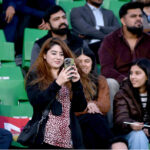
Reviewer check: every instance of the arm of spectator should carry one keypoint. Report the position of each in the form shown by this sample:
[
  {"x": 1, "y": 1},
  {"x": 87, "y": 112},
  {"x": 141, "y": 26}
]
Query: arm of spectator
[
  {"x": 121, "y": 112},
  {"x": 103, "y": 100},
  {"x": 10, "y": 12},
  {"x": 35, "y": 53},
  {"x": 44, "y": 26},
  {"x": 107, "y": 61},
  {"x": 40, "y": 98},
  {"x": 81, "y": 27},
  {"x": 114, "y": 24}
]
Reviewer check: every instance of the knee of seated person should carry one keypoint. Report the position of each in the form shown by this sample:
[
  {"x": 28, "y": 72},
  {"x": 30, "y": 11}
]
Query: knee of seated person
[
  {"x": 112, "y": 83},
  {"x": 137, "y": 134}
]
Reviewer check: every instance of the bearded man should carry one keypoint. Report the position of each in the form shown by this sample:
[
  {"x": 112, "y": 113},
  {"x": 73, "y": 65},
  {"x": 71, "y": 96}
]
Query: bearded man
[
  {"x": 55, "y": 20},
  {"x": 122, "y": 47}
]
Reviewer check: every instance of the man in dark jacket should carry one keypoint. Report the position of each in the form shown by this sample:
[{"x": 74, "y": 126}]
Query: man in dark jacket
[{"x": 55, "y": 19}]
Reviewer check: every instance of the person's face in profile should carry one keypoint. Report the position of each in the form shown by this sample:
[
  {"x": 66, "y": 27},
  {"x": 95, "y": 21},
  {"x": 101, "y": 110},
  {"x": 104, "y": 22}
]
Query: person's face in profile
[
  {"x": 138, "y": 78},
  {"x": 54, "y": 57},
  {"x": 85, "y": 63},
  {"x": 58, "y": 21}
]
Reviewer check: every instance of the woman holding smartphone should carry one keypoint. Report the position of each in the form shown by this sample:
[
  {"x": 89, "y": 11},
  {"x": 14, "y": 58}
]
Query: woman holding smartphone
[
  {"x": 132, "y": 105},
  {"x": 47, "y": 79}
]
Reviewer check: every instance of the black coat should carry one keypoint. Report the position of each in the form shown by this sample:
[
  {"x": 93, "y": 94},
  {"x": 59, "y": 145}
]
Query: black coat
[{"x": 40, "y": 99}]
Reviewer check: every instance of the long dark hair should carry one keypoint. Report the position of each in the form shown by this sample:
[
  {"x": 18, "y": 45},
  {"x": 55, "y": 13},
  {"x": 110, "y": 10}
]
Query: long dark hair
[
  {"x": 93, "y": 75},
  {"x": 42, "y": 69},
  {"x": 144, "y": 64}
]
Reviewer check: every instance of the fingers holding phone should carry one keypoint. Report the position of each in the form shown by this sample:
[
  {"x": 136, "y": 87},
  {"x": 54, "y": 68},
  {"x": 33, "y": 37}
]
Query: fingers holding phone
[
  {"x": 75, "y": 74},
  {"x": 71, "y": 69},
  {"x": 63, "y": 77}
]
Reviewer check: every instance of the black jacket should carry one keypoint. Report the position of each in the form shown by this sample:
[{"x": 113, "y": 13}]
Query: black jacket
[{"x": 40, "y": 99}]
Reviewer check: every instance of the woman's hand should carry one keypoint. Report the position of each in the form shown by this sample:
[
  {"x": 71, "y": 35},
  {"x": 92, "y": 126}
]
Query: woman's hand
[
  {"x": 75, "y": 74},
  {"x": 64, "y": 76},
  {"x": 92, "y": 108},
  {"x": 137, "y": 126}
]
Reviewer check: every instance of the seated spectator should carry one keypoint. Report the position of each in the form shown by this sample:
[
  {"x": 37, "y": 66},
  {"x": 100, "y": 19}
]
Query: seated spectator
[
  {"x": 95, "y": 129},
  {"x": 18, "y": 14},
  {"x": 11, "y": 10},
  {"x": 56, "y": 20},
  {"x": 146, "y": 14},
  {"x": 5, "y": 139},
  {"x": 93, "y": 23},
  {"x": 47, "y": 79},
  {"x": 132, "y": 105},
  {"x": 123, "y": 46}
]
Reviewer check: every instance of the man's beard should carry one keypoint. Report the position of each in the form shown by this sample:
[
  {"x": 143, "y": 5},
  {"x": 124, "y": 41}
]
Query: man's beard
[
  {"x": 96, "y": 4},
  {"x": 60, "y": 31},
  {"x": 135, "y": 30}
]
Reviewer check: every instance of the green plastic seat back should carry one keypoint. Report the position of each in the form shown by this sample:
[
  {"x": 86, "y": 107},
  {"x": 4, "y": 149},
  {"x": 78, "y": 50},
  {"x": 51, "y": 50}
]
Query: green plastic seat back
[
  {"x": 2, "y": 35},
  {"x": 67, "y": 5},
  {"x": 12, "y": 88},
  {"x": 22, "y": 110},
  {"x": 115, "y": 7},
  {"x": 7, "y": 54},
  {"x": 30, "y": 36}
]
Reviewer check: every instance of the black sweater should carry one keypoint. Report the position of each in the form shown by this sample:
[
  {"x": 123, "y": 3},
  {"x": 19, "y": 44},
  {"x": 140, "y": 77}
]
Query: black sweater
[{"x": 40, "y": 99}]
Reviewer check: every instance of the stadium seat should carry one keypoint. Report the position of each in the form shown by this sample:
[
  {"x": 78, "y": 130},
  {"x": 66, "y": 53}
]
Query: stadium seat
[
  {"x": 98, "y": 69},
  {"x": 2, "y": 35},
  {"x": 115, "y": 5},
  {"x": 125, "y": 0},
  {"x": 30, "y": 36},
  {"x": 68, "y": 5},
  {"x": 12, "y": 90},
  {"x": 22, "y": 110},
  {"x": 106, "y": 4},
  {"x": 7, "y": 54}
]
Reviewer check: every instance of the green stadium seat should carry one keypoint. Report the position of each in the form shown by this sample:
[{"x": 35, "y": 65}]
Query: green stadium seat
[
  {"x": 125, "y": 0},
  {"x": 12, "y": 90},
  {"x": 67, "y": 5},
  {"x": 30, "y": 36},
  {"x": 2, "y": 35},
  {"x": 106, "y": 4},
  {"x": 7, "y": 54},
  {"x": 24, "y": 109},
  {"x": 98, "y": 69},
  {"x": 115, "y": 7}
]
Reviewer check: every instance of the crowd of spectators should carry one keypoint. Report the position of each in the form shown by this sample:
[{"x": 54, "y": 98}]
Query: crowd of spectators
[{"x": 91, "y": 111}]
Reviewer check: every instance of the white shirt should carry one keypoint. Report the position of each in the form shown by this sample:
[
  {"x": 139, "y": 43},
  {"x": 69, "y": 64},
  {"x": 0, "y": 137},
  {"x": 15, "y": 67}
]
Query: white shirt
[{"x": 98, "y": 18}]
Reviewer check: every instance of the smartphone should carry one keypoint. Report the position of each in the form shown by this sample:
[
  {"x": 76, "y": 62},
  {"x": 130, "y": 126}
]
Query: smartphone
[{"x": 68, "y": 62}]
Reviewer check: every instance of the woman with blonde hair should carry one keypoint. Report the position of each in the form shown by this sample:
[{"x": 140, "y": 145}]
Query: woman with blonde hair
[{"x": 47, "y": 79}]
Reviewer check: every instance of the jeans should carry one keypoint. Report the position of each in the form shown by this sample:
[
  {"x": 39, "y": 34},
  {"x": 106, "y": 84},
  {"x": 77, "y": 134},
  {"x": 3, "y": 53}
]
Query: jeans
[
  {"x": 5, "y": 139},
  {"x": 137, "y": 140}
]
